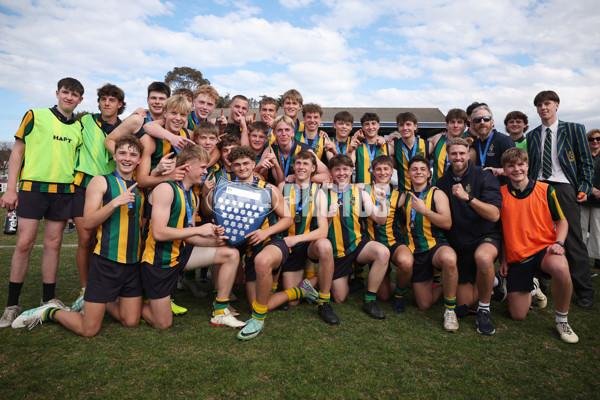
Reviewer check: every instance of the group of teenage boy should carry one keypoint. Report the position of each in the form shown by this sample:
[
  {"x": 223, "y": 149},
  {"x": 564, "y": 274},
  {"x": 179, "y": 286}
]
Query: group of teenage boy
[{"x": 141, "y": 192}]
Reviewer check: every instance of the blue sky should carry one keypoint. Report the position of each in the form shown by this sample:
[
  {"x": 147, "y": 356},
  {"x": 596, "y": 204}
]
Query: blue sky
[{"x": 379, "y": 53}]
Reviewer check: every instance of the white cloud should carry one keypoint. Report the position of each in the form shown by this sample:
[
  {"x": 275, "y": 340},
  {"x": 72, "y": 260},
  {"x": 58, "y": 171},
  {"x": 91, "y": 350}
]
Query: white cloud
[
  {"x": 293, "y": 4},
  {"x": 430, "y": 54}
]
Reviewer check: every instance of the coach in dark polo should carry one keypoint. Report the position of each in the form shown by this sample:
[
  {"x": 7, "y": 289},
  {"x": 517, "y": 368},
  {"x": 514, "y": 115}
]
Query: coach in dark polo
[{"x": 560, "y": 155}]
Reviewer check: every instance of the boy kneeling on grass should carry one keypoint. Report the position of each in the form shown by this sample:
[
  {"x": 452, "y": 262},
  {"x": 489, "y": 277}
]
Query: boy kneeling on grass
[
  {"x": 532, "y": 246},
  {"x": 112, "y": 207}
]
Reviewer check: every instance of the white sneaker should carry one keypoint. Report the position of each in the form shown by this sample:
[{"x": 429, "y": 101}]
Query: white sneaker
[
  {"x": 226, "y": 319},
  {"x": 55, "y": 303},
  {"x": 78, "y": 304},
  {"x": 31, "y": 318},
  {"x": 192, "y": 286},
  {"x": 232, "y": 310},
  {"x": 9, "y": 315},
  {"x": 566, "y": 333},
  {"x": 450, "y": 321},
  {"x": 539, "y": 300}
]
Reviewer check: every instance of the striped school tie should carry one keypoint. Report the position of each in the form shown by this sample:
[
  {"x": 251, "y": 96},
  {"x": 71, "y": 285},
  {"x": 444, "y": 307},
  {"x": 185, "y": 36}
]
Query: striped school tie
[{"x": 547, "y": 164}]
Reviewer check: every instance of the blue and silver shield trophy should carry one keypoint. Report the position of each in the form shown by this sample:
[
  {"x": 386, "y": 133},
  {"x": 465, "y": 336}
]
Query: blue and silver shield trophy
[{"x": 240, "y": 208}]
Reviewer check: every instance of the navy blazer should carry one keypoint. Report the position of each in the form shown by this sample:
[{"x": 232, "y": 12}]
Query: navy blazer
[{"x": 573, "y": 153}]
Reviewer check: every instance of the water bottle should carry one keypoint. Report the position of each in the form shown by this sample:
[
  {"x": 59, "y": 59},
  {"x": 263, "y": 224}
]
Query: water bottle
[{"x": 10, "y": 224}]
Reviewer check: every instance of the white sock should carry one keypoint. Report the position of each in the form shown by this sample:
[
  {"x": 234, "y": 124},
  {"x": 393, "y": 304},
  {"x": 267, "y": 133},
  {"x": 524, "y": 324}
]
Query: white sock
[
  {"x": 560, "y": 317},
  {"x": 484, "y": 306}
]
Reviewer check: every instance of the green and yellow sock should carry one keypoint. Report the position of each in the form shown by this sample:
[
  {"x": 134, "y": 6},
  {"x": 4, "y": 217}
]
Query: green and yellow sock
[
  {"x": 370, "y": 296},
  {"x": 259, "y": 311},
  {"x": 220, "y": 306},
  {"x": 323, "y": 298},
  {"x": 295, "y": 293},
  {"x": 309, "y": 273},
  {"x": 274, "y": 287},
  {"x": 399, "y": 293},
  {"x": 49, "y": 313},
  {"x": 359, "y": 274},
  {"x": 450, "y": 303},
  {"x": 437, "y": 279}
]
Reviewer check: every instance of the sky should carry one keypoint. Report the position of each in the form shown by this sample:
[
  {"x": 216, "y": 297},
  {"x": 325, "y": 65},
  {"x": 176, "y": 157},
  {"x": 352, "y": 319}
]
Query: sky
[{"x": 351, "y": 53}]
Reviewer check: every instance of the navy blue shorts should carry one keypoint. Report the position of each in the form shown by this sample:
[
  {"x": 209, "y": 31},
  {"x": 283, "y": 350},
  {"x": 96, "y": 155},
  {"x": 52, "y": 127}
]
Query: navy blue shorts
[
  {"x": 78, "y": 202},
  {"x": 160, "y": 282},
  {"x": 297, "y": 259},
  {"x": 343, "y": 266},
  {"x": 107, "y": 280},
  {"x": 38, "y": 205},
  {"x": 250, "y": 272},
  {"x": 520, "y": 275},
  {"x": 467, "y": 269},
  {"x": 423, "y": 264}
]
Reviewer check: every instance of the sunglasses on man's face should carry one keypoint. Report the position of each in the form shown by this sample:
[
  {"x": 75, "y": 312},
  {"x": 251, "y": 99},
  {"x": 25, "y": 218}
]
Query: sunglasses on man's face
[
  {"x": 594, "y": 139},
  {"x": 479, "y": 119}
]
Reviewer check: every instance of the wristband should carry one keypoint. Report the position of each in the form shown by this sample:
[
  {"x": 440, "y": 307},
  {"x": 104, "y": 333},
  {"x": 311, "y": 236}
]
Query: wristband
[
  {"x": 470, "y": 198},
  {"x": 561, "y": 244}
]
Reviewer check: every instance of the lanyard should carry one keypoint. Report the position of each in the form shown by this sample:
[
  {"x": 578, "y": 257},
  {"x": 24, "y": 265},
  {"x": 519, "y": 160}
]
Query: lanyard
[
  {"x": 341, "y": 194},
  {"x": 414, "y": 149},
  {"x": 149, "y": 116},
  {"x": 315, "y": 140},
  {"x": 123, "y": 187},
  {"x": 286, "y": 162},
  {"x": 372, "y": 151},
  {"x": 299, "y": 207},
  {"x": 483, "y": 156},
  {"x": 413, "y": 213},
  {"x": 196, "y": 120},
  {"x": 338, "y": 147},
  {"x": 188, "y": 205}
]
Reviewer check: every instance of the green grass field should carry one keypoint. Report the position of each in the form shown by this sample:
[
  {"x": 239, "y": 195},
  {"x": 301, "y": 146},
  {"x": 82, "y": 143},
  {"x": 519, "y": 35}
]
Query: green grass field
[{"x": 297, "y": 356}]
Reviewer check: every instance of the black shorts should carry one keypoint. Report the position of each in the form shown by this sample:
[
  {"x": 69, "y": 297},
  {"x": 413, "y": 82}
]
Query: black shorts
[
  {"x": 38, "y": 205},
  {"x": 395, "y": 247},
  {"x": 465, "y": 258},
  {"x": 423, "y": 264},
  {"x": 107, "y": 280},
  {"x": 78, "y": 202},
  {"x": 343, "y": 266},
  {"x": 520, "y": 275},
  {"x": 297, "y": 258},
  {"x": 160, "y": 282},
  {"x": 250, "y": 272}
]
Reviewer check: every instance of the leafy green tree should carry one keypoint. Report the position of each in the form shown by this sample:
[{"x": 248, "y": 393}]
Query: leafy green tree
[{"x": 185, "y": 77}]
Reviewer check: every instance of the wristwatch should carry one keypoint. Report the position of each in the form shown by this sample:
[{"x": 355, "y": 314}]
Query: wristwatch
[
  {"x": 560, "y": 243},
  {"x": 470, "y": 198}
]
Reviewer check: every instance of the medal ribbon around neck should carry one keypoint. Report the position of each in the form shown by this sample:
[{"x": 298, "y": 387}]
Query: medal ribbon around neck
[
  {"x": 188, "y": 206},
  {"x": 123, "y": 188},
  {"x": 414, "y": 149},
  {"x": 483, "y": 156},
  {"x": 315, "y": 141},
  {"x": 300, "y": 207},
  {"x": 287, "y": 162},
  {"x": 338, "y": 147},
  {"x": 413, "y": 213}
]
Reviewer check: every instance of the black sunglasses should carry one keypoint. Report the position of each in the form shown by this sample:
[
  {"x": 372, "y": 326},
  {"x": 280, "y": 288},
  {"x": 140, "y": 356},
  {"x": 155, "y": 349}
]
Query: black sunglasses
[
  {"x": 594, "y": 139},
  {"x": 484, "y": 119}
]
